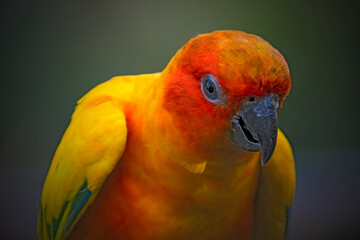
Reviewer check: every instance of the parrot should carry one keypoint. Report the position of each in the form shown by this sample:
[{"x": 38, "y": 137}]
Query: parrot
[{"x": 192, "y": 152}]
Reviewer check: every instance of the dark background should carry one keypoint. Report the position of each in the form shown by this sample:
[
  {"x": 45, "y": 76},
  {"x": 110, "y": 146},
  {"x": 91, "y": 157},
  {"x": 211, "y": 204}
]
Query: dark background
[{"x": 53, "y": 52}]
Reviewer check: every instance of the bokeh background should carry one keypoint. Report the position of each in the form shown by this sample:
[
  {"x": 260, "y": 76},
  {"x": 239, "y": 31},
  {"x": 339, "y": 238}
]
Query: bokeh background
[{"x": 53, "y": 52}]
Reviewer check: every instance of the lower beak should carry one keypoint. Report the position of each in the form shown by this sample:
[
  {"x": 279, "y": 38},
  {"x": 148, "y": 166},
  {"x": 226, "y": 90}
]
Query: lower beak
[{"x": 254, "y": 127}]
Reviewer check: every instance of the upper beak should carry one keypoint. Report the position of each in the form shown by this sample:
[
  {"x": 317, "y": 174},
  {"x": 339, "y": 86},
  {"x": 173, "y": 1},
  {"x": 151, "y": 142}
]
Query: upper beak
[{"x": 254, "y": 127}]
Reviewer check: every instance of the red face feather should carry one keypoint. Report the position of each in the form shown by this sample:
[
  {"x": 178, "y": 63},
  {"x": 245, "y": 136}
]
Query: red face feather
[{"x": 242, "y": 63}]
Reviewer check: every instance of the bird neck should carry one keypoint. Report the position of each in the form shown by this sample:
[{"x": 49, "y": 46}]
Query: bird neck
[{"x": 218, "y": 158}]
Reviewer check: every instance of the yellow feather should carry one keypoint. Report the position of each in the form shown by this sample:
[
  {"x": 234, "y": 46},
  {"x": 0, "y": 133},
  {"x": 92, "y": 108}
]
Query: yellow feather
[
  {"x": 88, "y": 152},
  {"x": 275, "y": 192}
]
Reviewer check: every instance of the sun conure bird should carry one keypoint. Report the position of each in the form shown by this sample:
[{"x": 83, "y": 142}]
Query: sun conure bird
[{"x": 192, "y": 152}]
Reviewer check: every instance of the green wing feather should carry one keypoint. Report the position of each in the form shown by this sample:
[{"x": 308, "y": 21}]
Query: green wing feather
[{"x": 87, "y": 153}]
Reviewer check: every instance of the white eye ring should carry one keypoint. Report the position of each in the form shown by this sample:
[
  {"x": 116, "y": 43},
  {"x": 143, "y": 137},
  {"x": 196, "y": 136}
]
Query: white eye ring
[{"x": 211, "y": 90}]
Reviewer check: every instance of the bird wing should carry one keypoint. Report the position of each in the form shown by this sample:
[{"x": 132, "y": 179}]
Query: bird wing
[
  {"x": 275, "y": 192},
  {"x": 89, "y": 150}
]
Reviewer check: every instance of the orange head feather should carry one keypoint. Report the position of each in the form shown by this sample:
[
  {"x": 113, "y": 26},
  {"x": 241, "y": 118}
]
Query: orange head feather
[{"x": 243, "y": 64}]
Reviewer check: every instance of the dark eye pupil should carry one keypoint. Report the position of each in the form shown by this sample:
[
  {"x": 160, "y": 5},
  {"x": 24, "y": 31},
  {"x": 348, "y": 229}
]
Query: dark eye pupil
[{"x": 210, "y": 86}]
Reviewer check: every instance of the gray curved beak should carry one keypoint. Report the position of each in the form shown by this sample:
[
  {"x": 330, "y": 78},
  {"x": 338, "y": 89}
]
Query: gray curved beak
[{"x": 254, "y": 127}]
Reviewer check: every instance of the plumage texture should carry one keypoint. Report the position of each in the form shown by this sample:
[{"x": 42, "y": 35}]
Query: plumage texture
[{"x": 148, "y": 157}]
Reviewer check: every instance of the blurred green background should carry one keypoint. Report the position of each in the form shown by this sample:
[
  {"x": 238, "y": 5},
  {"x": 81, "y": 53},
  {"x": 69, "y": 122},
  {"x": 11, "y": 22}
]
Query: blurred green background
[{"x": 53, "y": 52}]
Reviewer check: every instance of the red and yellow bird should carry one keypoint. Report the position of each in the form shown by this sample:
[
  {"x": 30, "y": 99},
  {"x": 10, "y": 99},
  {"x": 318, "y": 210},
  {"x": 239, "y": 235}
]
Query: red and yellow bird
[{"x": 193, "y": 152}]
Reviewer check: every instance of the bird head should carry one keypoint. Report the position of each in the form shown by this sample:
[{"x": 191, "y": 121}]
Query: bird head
[{"x": 227, "y": 86}]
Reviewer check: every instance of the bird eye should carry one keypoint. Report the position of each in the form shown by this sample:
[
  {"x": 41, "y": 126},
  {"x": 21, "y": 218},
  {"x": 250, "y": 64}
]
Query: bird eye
[{"x": 210, "y": 88}]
